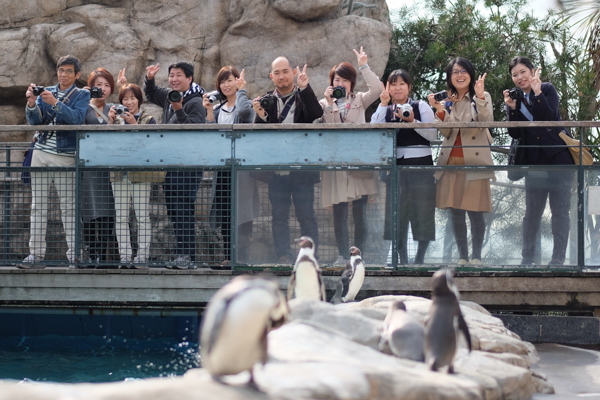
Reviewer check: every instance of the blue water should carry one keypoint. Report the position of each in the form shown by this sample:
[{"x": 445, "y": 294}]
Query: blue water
[{"x": 73, "y": 359}]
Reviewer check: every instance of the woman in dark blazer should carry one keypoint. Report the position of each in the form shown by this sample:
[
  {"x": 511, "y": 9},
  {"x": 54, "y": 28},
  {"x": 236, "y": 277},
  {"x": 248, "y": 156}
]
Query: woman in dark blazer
[{"x": 540, "y": 103}]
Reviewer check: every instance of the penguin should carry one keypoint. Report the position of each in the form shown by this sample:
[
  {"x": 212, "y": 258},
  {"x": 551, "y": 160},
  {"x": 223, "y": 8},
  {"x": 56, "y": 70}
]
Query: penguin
[
  {"x": 403, "y": 332},
  {"x": 235, "y": 324},
  {"x": 351, "y": 280},
  {"x": 306, "y": 281},
  {"x": 443, "y": 323}
]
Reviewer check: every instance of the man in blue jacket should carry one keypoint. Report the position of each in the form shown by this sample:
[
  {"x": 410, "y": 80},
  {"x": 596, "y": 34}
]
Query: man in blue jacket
[{"x": 63, "y": 104}]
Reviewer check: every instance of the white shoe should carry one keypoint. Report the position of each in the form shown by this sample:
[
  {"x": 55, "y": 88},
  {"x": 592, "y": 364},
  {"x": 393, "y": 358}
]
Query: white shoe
[
  {"x": 475, "y": 261},
  {"x": 72, "y": 262},
  {"x": 139, "y": 262},
  {"x": 182, "y": 262},
  {"x": 124, "y": 262},
  {"x": 462, "y": 261},
  {"x": 29, "y": 261},
  {"x": 340, "y": 261}
]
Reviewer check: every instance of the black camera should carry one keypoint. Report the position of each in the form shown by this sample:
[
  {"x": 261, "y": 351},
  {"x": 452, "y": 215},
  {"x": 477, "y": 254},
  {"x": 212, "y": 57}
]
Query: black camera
[
  {"x": 404, "y": 109},
  {"x": 338, "y": 92},
  {"x": 214, "y": 96},
  {"x": 175, "y": 96},
  {"x": 516, "y": 93},
  {"x": 95, "y": 93},
  {"x": 267, "y": 101},
  {"x": 37, "y": 90},
  {"x": 439, "y": 96},
  {"x": 121, "y": 109}
]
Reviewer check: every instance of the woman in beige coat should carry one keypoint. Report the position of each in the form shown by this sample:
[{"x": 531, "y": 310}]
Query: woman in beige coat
[
  {"x": 462, "y": 191},
  {"x": 341, "y": 187}
]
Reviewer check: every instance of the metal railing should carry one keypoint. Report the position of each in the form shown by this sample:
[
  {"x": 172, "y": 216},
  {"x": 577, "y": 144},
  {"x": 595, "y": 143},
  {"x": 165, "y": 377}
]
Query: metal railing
[{"x": 217, "y": 167}]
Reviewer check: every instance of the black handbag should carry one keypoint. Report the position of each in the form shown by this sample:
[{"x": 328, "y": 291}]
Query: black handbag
[
  {"x": 25, "y": 175},
  {"x": 516, "y": 156}
]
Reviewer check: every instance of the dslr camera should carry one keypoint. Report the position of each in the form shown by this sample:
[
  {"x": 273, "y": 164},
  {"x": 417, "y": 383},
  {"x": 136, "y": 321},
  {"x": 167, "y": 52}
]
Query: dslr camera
[
  {"x": 37, "y": 90},
  {"x": 95, "y": 93},
  {"x": 214, "y": 96},
  {"x": 267, "y": 101},
  {"x": 338, "y": 92},
  {"x": 175, "y": 96},
  {"x": 120, "y": 109},
  {"x": 404, "y": 109},
  {"x": 516, "y": 93},
  {"x": 439, "y": 96}
]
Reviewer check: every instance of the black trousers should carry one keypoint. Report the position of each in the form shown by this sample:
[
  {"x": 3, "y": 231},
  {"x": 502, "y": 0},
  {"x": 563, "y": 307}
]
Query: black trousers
[
  {"x": 539, "y": 187},
  {"x": 340, "y": 225},
  {"x": 180, "y": 190}
]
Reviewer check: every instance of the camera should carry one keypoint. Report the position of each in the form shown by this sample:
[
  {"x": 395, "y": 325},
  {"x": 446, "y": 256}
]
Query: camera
[
  {"x": 516, "y": 93},
  {"x": 267, "y": 101},
  {"x": 120, "y": 109},
  {"x": 338, "y": 92},
  {"x": 95, "y": 93},
  {"x": 175, "y": 96},
  {"x": 404, "y": 109},
  {"x": 439, "y": 96},
  {"x": 37, "y": 90},
  {"x": 214, "y": 96}
]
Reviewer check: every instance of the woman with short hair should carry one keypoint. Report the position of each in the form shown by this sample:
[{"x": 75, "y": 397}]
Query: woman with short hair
[
  {"x": 133, "y": 186},
  {"x": 338, "y": 188}
]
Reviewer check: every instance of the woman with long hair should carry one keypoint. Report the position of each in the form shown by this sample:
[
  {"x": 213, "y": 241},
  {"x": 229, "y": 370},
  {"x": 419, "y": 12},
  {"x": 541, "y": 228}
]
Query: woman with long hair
[{"x": 465, "y": 192}]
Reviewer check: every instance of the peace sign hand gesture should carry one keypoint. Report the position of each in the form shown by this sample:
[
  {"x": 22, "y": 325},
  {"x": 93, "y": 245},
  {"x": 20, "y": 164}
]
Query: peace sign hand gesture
[
  {"x": 302, "y": 78},
  {"x": 362, "y": 57},
  {"x": 240, "y": 83},
  {"x": 385, "y": 95},
  {"x": 152, "y": 70},
  {"x": 121, "y": 80},
  {"x": 536, "y": 83},
  {"x": 480, "y": 87}
]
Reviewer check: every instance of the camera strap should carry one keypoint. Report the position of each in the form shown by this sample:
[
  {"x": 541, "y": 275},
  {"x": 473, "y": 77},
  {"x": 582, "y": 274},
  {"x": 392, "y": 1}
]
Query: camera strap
[
  {"x": 100, "y": 112},
  {"x": 287, "y": 108}
]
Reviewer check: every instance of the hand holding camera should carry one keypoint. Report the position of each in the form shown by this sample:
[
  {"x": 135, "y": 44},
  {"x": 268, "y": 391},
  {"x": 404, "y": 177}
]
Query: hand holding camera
[
  {"x": 256, "y": 105},
  {"x": 31, "y": 94},
  {"x": 176, "y": 99},
  {"x": 436, "y": 100},
  {"x": 405, "y": 112},
  {"x": 329, "y": 95}
]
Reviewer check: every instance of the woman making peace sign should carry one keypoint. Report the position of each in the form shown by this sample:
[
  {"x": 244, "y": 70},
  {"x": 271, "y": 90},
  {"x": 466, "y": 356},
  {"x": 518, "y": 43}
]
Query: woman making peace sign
[{"x": 462, "y": 191}]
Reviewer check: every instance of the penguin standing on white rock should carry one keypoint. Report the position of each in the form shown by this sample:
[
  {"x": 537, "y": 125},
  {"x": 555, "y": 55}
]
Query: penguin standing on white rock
[
  {"x": 235, "y": 324},
  {"x": 403, "y": 332},
  {"x": 351, "y": 280},
  {"x": 306, "y": 281},
  {"x": 443, "y": 323}
]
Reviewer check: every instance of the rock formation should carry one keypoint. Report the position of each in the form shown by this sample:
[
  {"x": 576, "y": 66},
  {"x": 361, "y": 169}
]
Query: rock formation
[
  {"x": 248, "y": 34},
  {"x": 330, "y": 352}
]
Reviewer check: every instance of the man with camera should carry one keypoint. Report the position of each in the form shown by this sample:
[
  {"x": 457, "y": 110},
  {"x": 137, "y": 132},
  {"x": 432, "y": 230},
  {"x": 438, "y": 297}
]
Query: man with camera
[
  {"x": 62, "y": 104},
  {"x": 290, "y": 104},
  {"x": 182, "y": 104}
]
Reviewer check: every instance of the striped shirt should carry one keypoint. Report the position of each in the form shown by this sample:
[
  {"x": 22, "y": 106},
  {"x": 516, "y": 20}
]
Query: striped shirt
[{"x": 50, "y": 145}]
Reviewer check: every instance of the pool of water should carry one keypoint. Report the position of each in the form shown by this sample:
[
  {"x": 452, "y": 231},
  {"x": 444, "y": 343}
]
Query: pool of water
[{"x": 73, "y": 359}]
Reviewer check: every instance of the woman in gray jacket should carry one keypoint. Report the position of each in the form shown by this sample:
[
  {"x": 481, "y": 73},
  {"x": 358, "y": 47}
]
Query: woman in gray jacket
[{"x": 234, "y": 107}]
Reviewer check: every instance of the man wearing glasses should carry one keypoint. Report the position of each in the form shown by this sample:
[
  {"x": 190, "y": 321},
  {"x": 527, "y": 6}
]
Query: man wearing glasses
[{"x": 63, "y": 104}]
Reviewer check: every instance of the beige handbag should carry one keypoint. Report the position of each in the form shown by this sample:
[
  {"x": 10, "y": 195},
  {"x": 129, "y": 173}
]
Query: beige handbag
[{"x": 587, "y": 158}]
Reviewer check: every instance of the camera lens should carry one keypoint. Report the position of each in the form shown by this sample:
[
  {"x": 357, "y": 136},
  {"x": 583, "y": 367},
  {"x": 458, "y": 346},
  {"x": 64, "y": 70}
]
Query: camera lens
[
  {"x": 338, "y": 92},
  {"x": 439, "y": 96},
  {"x": 174, "y": 96}
]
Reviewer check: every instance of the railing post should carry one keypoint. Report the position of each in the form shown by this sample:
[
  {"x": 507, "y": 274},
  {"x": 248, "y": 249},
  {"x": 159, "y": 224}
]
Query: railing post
[
  {"x": 7, "y": 207},
  {"x": 580, "y": 206},
  {"x": 233, "y": 231},
  {"x": 394, "y": 204}
]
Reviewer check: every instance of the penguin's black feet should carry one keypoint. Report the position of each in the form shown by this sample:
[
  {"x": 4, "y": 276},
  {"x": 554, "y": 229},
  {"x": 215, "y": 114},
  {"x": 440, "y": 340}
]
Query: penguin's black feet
[{"x": 451, "y": 369}]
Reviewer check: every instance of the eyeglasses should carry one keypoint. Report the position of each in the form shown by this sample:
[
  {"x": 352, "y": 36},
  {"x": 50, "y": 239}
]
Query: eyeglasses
[
  {"x": 65, "y": 71},
  {"x": 459, "y": 72}
]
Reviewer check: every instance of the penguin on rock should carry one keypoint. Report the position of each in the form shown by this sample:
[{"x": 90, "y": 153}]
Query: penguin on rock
[
  {"x": 235, "y": 324},
  {"x": 404, "y": 333},
  {"x": 352, "y": 278},
  {"x": 444, "y": 322},
  {"x": 306, "y": 281}
]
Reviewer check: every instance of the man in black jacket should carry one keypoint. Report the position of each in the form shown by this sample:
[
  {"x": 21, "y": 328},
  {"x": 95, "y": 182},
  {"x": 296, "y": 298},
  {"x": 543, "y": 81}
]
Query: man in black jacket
[
  {"x": 293, "y": 104},
  {"x": 180, "y": 187}
]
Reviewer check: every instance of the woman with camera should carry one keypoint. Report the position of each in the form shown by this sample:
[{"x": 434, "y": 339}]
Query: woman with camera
[
  {"x": 97, "y": 209},
  {"x": 532, "y": 100},
  {"x": 233, "y": 107},
  {"x": 416, "y": 189},
  {"x": 133, "y": 185},
  {"x": 465, "y": 191},
  {"x": 338, "y": 188}
]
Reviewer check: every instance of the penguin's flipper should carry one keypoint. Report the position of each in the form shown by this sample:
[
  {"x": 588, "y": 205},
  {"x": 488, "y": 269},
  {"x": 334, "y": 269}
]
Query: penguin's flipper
[
  {"x": 322, "y": 286},
  {"x": 216, "y": 328},
  {"x": 264, "y": 347},
  {"x": 345, "y": 285},
  {"x": 462, "y": 325},
  {"x": 383, "y": 340},
  {"x": 291, "y": 285},
  {"x": 337, "y": 297}
]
